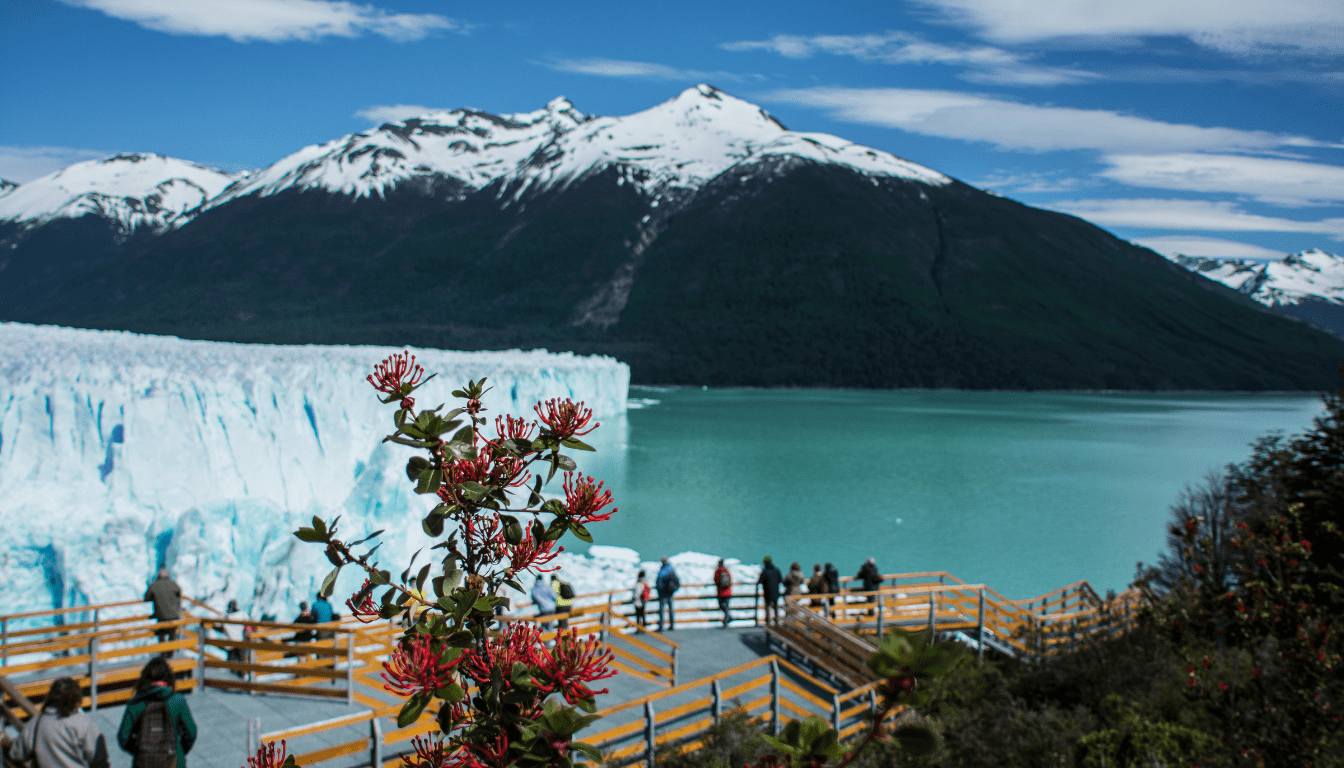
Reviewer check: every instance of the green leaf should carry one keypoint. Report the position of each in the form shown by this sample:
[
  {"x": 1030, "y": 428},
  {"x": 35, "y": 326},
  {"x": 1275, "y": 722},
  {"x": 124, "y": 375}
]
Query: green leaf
[
  {"x": 415, "y": 466},
  {"x": 916, "y": 739},
  {"x": 588, "y": 705},
  {"x": 513, "y": 530},
  {"x": 319, "y": 525},
  {"x": 557, "y": 529},
  {"x": 566, "y": 463},
  {"x": 587, "y": 750},
  {"x": 463, "y": 436},
  {"x": 380, "y": 578},
  {"x": 410, "y": 711},
  {"x": 554, "y": 506},
  {"x": 577, "y": 444},
  {"x": 420, "y": 578},
  {"x": 329, "y": 583},
  {"x": 432, "y": 525},
  {"x": 453, "y": 693},
  {"x": 581, "y": 532},
  {"x": 309, "y": 535},
  {"x": 429, "y": 482}
]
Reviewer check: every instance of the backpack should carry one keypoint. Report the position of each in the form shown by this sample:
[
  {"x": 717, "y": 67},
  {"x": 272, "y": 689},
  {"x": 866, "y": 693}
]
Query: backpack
[
  {"x": 156, "y": 742},
  {"x": 566, "y": 591},
  {"x": 645, "y": 594},
  {"x": 723, "y": 580}
]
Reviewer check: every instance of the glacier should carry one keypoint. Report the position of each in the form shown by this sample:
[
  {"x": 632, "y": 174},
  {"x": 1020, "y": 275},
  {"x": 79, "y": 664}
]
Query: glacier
[{"x": 122, "y": 452}]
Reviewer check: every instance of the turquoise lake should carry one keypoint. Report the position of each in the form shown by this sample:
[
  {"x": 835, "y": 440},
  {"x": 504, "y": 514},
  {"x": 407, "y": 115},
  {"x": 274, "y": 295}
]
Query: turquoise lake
[{"x": 1024, "y": 492}]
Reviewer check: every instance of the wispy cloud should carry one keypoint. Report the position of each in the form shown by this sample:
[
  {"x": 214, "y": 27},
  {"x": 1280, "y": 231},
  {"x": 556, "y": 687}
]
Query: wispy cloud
[
  {"x": 1236, "y": 26},
  {"x": 984, "y": 64},
  {"x": 22, "y": 164},
  {"x": 1197, "y": 215},
  {"x": 1031, "y": 183},
  {"x": 1208, "y": 247},
  {"x": 641, "y": 69},
  {"x": 1270, "y": 180},
  {"x": 392, "y": 113},
  {"x": 271, "y": 20},
  {"x": 1026, "y": 127}
]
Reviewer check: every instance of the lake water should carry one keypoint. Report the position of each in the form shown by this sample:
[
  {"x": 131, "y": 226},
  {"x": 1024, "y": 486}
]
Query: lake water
[{"x": 1025, "y": 492}]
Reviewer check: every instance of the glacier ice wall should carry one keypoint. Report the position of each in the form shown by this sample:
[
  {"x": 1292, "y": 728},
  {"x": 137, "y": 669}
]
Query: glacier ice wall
[{"x": 122, "y": 452}]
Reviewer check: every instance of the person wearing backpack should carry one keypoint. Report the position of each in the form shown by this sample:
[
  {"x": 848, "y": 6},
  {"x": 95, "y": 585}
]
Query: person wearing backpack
[
  {"x": 564, "y": 599},
  {"x": 723, "y": 585},
  {"x": 667, "y": 584},
  {"x": 639, "y": 597},
  {"x": 157, "y": 728},
  {"x": 61, "y": 736}
]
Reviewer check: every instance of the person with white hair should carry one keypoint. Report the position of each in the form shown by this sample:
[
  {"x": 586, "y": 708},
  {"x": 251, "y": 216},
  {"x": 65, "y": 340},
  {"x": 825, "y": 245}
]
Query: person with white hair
[{"x": 166, "y": 596}]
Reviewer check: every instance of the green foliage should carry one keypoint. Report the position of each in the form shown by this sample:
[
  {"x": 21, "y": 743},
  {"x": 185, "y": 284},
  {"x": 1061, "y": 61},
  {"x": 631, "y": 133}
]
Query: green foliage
[
  {"x": 807, "y": 742},
  {"x": 1136, "y": 742}
]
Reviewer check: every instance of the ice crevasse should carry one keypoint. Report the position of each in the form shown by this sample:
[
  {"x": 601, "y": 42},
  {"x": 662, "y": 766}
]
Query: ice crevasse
[{"x": 122, "y": 452}]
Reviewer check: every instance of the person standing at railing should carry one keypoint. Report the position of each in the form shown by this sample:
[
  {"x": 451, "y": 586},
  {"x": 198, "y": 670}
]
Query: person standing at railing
[
  {"x": 543, "y": 598},
  {"x": 157, "y": 727},
  {"x": 323, "y": 613},
  {"x": 832, "y": 579},
  {"x": 817, "y": 585},
  {"x": 872, "y": 580},
  {"x": 667, "y": 584},
  {"x": 167, "y": 599},
  {"x": 564, "y": 599},
  {"x": 61, "y": 736},
  {"x": 769, "y": 582},
  {"x": 235, "y": 632},
  {"x": 723, "y": 585},
  {"x": 794, "y": 580},
  {"x": 639, "y": 597}
]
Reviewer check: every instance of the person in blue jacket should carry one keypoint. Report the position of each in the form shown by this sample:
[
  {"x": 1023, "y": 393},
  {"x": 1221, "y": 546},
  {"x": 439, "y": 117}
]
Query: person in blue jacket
[
  {"x": 156, "y": 726},
  {"x": 667, "y": 585}
]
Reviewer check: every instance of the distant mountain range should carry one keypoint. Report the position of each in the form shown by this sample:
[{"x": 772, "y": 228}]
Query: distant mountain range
[
  {"x": 700, "y": 241},
  {"x": 1308, "y": 285}
]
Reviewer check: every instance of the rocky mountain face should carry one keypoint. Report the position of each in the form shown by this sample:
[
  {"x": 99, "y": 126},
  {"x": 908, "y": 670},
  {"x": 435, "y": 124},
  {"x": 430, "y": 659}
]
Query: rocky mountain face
[
  {"x": 699, "y": 241},
  {"x": 1308, "y": 286}
]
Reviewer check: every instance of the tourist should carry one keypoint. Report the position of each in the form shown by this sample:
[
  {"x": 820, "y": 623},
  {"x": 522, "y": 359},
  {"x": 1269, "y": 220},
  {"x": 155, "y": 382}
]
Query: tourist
[
  {"x": 156, "y": 726},
  {"x": 794, "y": 580},
  {"x": 832, "y": 579},
  {"x": 871, "y": 578},
  {"x": 544, "y": 599},
  {"x": 305, "y": 617},
  {"x": 564, "y": 599},
  {"x": 667, "y": 585},
  {"x": 61, "y": 736},
  {"x": 236, "y": 633},
  {"x": 817, "y": 585},
  {"x": 322, "y": 614},
  {"x": 167, "y": 599},
  {"x": 639, "y": 597},
  {"x": 723, "y": 585},
  {"x": 769, "y": 583}
]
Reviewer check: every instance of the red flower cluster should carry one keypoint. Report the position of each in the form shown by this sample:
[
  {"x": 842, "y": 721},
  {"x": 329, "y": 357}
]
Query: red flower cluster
[
  {"x": 584, "y": 499},
  {"x": 530, "y": 553},
  {"x": 397, "y": 370},
  {"x": 361, "y": 604},
  {"x": 519, "y": 642},
  {"x": 571, "y": 664},
  {"x": 417, "y": 667},
  {"x": 268, "y": 756},
  {"x": 507, "y": 427},
  {"x": 565, "y": 418}
]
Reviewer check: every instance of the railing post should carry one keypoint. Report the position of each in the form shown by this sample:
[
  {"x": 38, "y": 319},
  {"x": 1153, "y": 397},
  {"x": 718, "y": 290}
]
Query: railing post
[
  {"x": 375, "y": 743},
  {"x": 717, "y": 697},
  {"x": 879, "y": 617},
  {"x": 350, "y": 668},
  {"x": 4, "y": 642},
  {"x": 97, "y": 624},
  {"x": 93, "y": 674},
  {"x": 756, "y": 607},
  {"x": 774, "y": 697},
  {"x": 200, "y": 656},
  {"x": 980, "y": 631},
  {"x": 835, "y": 711},
  {"x": 674, "y": 666},
  {"x": 253, "y": 735},
  {"x": 933, "y": 608},
  {"x": 602, "y": 635},
  {"x": 650, "y": 734}
]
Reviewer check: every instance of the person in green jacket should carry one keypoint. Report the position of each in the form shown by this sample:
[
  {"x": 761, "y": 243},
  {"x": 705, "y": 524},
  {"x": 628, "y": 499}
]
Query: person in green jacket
[{"x": 157, "y": 728}]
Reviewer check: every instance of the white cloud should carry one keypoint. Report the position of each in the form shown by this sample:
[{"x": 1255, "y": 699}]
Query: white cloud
[
  {"x": 1208, "y": 247},
  {"x": 986, "y": 64},
  {"x": 1027, "y": 127},
  {"x": 617, "y": 68},
  {"x": 1241, "y": 26},
  {"x": 1271, "y": 180},
  {"x": 393, "y": 113},
  {"x": 1030, "y": 183},
  {"x": 1199, "y": 215},
  {"x": 23, "y": 164},
  {"x": 270, "y": 20}
]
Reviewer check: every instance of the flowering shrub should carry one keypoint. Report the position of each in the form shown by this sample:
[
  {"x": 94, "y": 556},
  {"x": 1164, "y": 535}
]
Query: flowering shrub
[{"x": 501, "y": 696}]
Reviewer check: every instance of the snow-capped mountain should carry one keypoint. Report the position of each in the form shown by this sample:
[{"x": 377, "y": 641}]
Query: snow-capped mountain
[
  {"x": 122, "y": 452},
  {"x": 6, "y": 187},
  {"x": 674, "y": 147},
  {"x": 1307, "y": 285},
  {"x": 133, "y": 190}
]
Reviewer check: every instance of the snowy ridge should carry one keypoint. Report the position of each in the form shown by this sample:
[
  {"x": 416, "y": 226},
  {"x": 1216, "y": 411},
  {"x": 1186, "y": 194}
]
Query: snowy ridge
[
  {"x": 120, "y": 451},
  {"x": 135, "y": 190},
  {"x": 678, "y": 145},
  {"x": 1291, "y": 280},
  {"x": 6, "y": 187}
]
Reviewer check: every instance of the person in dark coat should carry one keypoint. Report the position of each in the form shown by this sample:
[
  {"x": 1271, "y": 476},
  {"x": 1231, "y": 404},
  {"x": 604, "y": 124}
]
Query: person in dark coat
[
  {"x": 871, "y": 579},
  {"x": 832, "y": 579},
  {"x": 156, "y": 702},
  {"x": 167, "y": 599},
  {"x": 61, "y": 736},
  {"x": 769, "y": 583},
  {"x": 667, "y": 585},
  {"x": 305, "y": 617}
]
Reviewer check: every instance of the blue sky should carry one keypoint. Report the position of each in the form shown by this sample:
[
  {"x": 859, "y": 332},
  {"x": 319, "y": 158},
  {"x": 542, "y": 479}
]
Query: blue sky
[{"x": 1213, "y": 127}]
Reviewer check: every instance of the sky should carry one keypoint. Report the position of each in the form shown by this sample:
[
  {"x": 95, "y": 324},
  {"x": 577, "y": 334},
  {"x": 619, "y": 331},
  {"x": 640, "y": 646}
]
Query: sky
[{"x": 1206, "y": 127}]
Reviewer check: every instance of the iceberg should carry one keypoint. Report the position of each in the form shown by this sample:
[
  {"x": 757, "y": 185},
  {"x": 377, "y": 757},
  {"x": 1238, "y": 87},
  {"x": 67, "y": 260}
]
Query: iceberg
[{"x": 122, "y": 452}]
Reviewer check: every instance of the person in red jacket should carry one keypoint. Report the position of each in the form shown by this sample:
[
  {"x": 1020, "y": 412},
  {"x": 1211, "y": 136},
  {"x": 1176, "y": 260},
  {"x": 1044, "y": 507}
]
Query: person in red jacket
[{"x": 723, "y": 583}]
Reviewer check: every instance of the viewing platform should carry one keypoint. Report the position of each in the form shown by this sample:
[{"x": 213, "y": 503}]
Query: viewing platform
[{"x": 326, "y": 699}]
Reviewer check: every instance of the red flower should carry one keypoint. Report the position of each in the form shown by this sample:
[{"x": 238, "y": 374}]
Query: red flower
[
  {"x": 517, "y": 643},
  {"x": 417, "y": 667},
  {"x": 268, "y": 756},
  {"x": 395, "y": 372},
  {"x": 507, "y": 427},
  {"x": 584, "y": 499},
  {"x": 494, "y": 754},
  {"x": 1222, "y": 686},
  {"x": 361, "y": 604},
  {"x": 433, "y": 753},
  {"x": 565, "y": 418},
  {"x": 571, "y": 664},
  {"x": 529, "y": 553}
]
